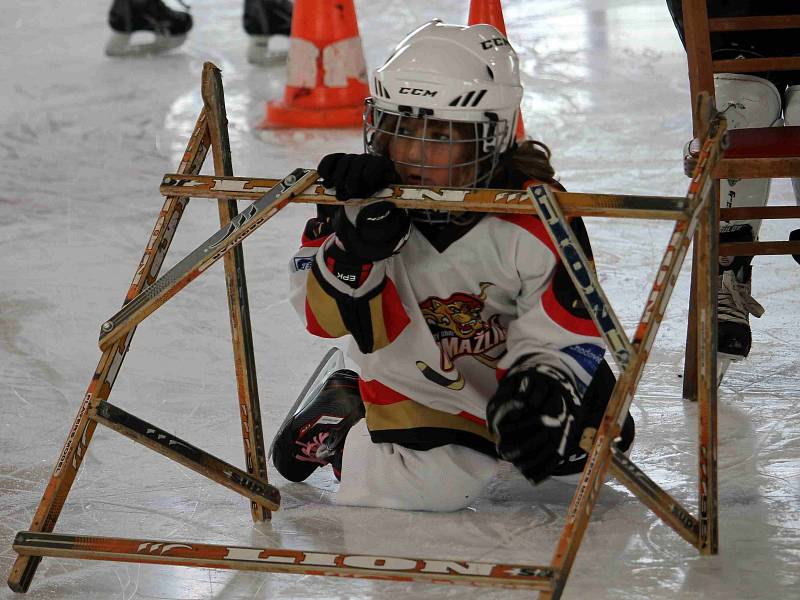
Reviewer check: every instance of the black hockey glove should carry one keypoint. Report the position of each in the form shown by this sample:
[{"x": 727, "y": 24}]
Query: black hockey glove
[
  {"x": 356, "y": 175},
  {"x": 374, "y": 231},
  {"x": 535, "y": 415}
]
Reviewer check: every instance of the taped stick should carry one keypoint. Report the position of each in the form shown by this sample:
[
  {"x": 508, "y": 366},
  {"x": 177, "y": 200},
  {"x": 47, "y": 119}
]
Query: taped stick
[{"x": 669, "y": 510}]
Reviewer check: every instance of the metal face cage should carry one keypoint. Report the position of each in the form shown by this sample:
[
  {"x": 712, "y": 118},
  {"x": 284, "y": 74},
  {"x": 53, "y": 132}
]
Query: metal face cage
[{"x": 429, "y": 151}]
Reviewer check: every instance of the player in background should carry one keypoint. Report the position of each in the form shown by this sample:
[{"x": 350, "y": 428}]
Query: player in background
[
  {"x": 267, "y": 22},
  {"x": 748, "y": 100},
  {"x": 472, "y": 343}
]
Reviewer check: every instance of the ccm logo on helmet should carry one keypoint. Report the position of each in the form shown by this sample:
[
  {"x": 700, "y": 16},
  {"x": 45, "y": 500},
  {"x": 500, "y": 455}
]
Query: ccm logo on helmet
[
  {"x": 417, "y": 92},
  {"x": 494, "y": 43}
]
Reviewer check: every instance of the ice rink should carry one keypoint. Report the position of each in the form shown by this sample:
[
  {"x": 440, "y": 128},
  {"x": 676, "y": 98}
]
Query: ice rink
[{"x": 84, "y": 141}]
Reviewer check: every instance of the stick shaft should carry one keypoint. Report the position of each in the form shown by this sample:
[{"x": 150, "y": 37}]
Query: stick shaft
[
  {"x": 186, "y": 454},
  {"x": 205, "y": 255},
  {"x": 582, "y": 274},
  {"x": 238, "y": 303},
  {"x": 281, "y": 560},
  {"x": 672, "y": 512},
  {"x": 478, "y": 200}
]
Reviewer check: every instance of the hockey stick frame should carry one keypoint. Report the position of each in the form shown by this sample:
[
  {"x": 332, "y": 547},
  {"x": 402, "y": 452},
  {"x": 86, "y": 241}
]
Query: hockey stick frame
[{"x": 691, "y": 212}]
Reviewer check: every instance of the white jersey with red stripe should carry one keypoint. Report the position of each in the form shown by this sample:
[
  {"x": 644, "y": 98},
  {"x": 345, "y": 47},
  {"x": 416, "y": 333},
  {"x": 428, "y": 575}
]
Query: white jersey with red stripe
[{"x": 447, "y": 323}]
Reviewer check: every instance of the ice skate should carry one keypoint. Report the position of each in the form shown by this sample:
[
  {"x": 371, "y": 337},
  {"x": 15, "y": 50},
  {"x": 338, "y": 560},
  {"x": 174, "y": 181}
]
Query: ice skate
[
  {"x": 734, "y": 307},
  {"x": 268, "y": 24},
  {"x": 313, "y": 435},
  {"x": 734, "y": 302},
  {"x": 128, "y": 17},
  {"x": 332, "y": 361}
]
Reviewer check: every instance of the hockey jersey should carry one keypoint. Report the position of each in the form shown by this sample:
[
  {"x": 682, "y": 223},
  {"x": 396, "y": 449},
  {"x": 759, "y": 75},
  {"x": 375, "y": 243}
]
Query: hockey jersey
[{"x": 438, "y": 324}]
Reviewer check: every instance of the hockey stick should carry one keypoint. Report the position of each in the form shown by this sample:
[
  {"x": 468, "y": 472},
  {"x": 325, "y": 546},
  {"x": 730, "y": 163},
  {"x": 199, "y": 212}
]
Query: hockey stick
[
  {"x": 582, "y": 274},
  {"x": 672, "y": 512},
  {"x": 204, "y": 256},
  {"x": 280, "y": 560},
  {"x": 189, "y": 456},
  {"x": 105, "y": 374},
  {"x": 477, "y": 200},
  {"x": 600, "y": 456},
  {"x": 236, "y": 285},
  {"x": 186, "y": 454}
]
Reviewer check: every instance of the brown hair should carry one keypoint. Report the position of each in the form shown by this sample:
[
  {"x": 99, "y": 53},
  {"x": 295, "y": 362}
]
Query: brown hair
[{"x": 528, "y": 160}]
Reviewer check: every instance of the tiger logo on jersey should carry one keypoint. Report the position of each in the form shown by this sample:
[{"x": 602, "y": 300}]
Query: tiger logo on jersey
[{"x": 458, "y": 327}]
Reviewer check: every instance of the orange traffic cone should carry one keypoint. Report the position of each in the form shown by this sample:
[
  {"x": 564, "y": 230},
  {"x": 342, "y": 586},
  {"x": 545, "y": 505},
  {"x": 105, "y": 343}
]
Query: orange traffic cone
[
  {"x": 326, "y": 78},
  {"x": 491, "y": 12}
]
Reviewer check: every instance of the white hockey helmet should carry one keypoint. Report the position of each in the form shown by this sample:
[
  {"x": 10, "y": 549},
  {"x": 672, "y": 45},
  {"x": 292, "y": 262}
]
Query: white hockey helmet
[{"x": 452, "y": 74}]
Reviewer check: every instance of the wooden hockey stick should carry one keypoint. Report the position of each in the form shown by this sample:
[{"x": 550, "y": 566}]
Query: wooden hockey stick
[
  {"x": 281, "y": 560},
  {"x": 672, "y": 512},
  {"x": 582, "y": 274},
  {"x": 600, "y": 456},
  {"x": 236, "y": 285},
  {"x": 105, "y": 374},
  {"x": 440, "y": 198},
  {"x": 205, "y": 255},
  {"x": 190, "y": 456}
]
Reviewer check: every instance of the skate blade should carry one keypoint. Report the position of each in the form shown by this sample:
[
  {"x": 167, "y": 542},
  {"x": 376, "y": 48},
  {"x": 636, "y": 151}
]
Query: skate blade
[
  {"x": 120, "y": 45},
  {"x": 332, "y": 361},
  {"x": 723, "y": 362}
]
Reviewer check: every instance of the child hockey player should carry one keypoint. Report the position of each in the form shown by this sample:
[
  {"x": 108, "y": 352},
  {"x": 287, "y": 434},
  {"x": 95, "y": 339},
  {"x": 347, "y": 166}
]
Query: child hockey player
[{"x": 471, "y": 340}]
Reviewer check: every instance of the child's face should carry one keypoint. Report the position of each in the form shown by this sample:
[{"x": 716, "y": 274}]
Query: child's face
[{"x": 436, "y": 153}]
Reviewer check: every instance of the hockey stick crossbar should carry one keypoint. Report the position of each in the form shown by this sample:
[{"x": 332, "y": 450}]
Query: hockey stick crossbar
[
  {"x": 186, "y": 454},
  {"x": 205, "y": 255},
  {"x": 477, "y": 200},
  {"x": 282, "y": 560}
]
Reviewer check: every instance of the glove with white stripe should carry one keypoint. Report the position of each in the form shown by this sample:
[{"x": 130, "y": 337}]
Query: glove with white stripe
[
  {"x": 373, "y": 231},
  {"x": 535, "y": 416}
]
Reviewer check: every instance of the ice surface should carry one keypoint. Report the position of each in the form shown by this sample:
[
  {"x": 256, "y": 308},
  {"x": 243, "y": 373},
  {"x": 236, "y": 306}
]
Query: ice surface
[{"x": 84, "y": 141}]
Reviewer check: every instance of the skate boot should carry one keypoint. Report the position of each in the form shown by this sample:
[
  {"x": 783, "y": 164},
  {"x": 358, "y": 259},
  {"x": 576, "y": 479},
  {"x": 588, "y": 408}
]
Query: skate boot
[
  {"x": 795, "y": 237},
  {"x": 314, "y": 436},
  {"x": 734, "y": 303},
  {"x": 734, "y": 307},
  {"x": 268, "y": 23},
  {"x": 127, "y": 17},
  {"x": 594, "y": 403}
]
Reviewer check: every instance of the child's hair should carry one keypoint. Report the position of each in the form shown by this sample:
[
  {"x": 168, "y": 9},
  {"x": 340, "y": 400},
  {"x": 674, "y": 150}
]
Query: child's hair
[
  {"x": 532, "y": 158},
  {"x": 528, "y": 160}
]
